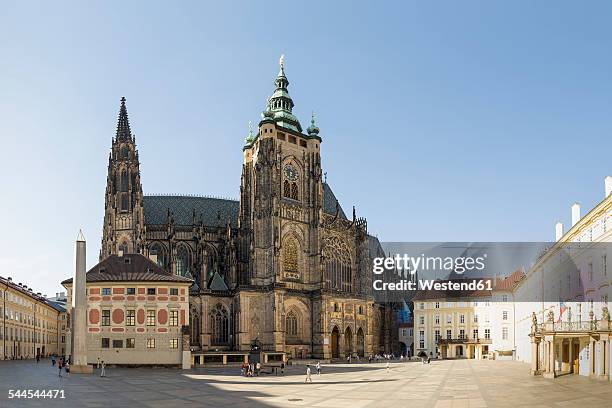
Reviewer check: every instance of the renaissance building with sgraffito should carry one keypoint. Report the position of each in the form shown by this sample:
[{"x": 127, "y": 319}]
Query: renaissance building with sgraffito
[{"x": 284, "y": 264}]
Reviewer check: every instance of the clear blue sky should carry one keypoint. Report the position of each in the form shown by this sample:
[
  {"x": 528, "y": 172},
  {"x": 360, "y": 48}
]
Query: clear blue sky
[{"x": 471, "y": 120}]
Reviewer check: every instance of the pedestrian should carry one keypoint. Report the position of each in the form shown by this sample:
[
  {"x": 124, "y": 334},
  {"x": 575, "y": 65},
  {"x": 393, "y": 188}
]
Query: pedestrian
[
  {"x": 37, "y": 358},
  {"x": 103, "y": 372},
  {"x": 67, "y": 369},
  {"x": 318, "y": 368},
  {"x": 387, "y": 365},
  {"x": 242, "y": 369},
  {"x": 98, "y": 362},
  {"x": 282, "y": 367},
  {"x": 258, "y": 369},
  {"x": 428, "y": 359},
  {"x": 59, "y": 366},
  {"x": 308, "y": 374},
  {"x": 53, "y": 360}
]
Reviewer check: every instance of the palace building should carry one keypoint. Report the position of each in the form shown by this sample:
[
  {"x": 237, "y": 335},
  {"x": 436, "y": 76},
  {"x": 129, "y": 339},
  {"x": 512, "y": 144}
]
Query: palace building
[
  {"x": 31, "y": 325},
  {"x": 571, "y": 335},
  {"x": 134, "y": 309},
  {"x": 478, "y": 325},
  {"x": 283, "y": 265}
]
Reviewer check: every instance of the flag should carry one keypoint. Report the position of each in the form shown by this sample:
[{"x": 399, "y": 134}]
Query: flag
[{"x": 562, "y": 309}]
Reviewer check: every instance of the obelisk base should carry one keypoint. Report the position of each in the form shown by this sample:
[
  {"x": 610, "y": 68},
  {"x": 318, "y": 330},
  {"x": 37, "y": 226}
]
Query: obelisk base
[{"x": 81, "y": 369}]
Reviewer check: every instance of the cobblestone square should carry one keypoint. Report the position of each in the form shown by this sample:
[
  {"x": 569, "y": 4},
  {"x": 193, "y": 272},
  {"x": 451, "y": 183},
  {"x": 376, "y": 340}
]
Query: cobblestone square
[{"x": 448, "y": 383}]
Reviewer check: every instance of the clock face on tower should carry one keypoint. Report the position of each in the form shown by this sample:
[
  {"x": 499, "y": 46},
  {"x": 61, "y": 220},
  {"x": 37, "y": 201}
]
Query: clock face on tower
[{"x": 291, "y": 173}]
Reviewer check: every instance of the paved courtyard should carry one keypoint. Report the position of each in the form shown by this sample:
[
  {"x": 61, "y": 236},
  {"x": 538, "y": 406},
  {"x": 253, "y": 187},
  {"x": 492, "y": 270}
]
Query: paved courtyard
[{"x": 459, "y": 383}]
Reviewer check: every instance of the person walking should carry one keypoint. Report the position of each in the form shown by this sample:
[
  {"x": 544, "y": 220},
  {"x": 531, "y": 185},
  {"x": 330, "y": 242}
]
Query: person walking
[
  {"x": 53, "y": 360},
  {"x": 59, "y": 366},
  {"x": 103, "y": 372},
  {"x": 318, "y": 368},
  {"x": 37, "y": 358},
  {"x": 67, "y": 369},
  {"x": 98, "y": 362},
  {"x": 308, "y": 378},
  {"x": 282, "y": 367}
]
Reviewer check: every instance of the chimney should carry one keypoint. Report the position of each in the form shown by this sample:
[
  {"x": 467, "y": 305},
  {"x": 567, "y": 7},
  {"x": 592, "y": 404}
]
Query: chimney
[
  {"x": 575, "y": 213},
  {"x": 608, "y": 182},
  {"x": 558, "y": 230}
]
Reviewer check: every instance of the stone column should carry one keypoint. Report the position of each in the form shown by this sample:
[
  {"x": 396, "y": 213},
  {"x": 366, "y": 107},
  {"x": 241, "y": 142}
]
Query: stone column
[
  {"x": 571, "y": 355},
  {"x": 591, "y": 357},
  {"x": 534, "y": 356},
  {"x": 79, "y": 311},
  {"x": 551, "y": 358}
]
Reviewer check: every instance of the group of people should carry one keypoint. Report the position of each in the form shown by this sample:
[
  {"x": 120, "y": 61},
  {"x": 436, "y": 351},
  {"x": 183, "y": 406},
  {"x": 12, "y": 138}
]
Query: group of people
[
  {"x": 250, "y": 370},
  {"x": 62, "y": 364},
  {"x": 379, "y": 357},
  {"x": 308, "y": 371}
]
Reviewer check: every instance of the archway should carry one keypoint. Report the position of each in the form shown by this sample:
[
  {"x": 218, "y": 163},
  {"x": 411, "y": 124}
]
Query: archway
[
  {"x": 348, "y": 341},
  {"x": 360, "y": 343},
  {"x": 459, "y": 351},
  {"x": 403, "y": 349},
  {"x": 335, "y": 343}
]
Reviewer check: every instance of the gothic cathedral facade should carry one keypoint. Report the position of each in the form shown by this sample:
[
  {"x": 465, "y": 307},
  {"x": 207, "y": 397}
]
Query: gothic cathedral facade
[{"x": 284, "y": 265}]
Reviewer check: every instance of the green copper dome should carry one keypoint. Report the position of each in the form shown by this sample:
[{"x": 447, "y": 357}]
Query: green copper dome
[{"x": 279, "y": 108}]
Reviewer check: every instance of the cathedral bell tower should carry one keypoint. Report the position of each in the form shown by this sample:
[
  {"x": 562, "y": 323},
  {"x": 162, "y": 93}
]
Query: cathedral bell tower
[
  {"x": 123, "y": 230},
  {"x": 281, "y": 195}
]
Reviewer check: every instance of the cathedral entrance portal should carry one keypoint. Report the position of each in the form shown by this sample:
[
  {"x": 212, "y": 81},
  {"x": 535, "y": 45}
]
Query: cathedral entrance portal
[
  {"x": 335, "y": 343},
  {"x": 348, "y": 341},
  {"x": 361, "y": 343}
]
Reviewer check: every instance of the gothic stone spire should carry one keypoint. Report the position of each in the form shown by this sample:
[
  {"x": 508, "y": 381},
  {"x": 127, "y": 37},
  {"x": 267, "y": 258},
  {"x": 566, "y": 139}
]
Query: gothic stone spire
[{"x": 123, "y": 123}]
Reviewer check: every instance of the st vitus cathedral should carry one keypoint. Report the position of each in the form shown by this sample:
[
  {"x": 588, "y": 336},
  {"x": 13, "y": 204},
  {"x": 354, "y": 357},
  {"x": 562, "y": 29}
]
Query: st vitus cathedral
[{"x": 283, "y": 265}]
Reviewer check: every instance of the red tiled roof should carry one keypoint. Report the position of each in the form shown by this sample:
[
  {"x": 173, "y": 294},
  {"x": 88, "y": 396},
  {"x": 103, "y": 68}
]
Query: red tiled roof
[{"x": 507, "y": 283}]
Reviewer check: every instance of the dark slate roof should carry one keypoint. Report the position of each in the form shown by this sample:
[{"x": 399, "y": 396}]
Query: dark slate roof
[
  {"x": 129, "y": 268},
  {"x": 214, "y": 211},
  {"x": 375, "y": 248},
  {"x": 59, "y": 306},
  {"x": 329, "y": 202},
  {"x": 217, "y": 283}
]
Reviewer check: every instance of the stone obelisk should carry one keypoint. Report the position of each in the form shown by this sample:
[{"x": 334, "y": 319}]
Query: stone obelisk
[{"x": 79, "y": 311}]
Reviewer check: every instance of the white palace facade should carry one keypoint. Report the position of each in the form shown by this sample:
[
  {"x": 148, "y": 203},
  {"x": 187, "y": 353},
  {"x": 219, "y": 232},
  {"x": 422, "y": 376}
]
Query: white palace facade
[
  {"x": 555, "y": 316},
  {"x": 577, "y": 339}
]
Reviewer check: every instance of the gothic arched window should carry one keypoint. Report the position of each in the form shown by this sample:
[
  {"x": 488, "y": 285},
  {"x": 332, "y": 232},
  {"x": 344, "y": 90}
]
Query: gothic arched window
[
  {"x": 290, "y": 255},
  {"x": 291, "y": 324},
  {"x": 123, "y": 248},
  {"x": 124, "y": 152},
  {"x": 183, "y": 261},
  {"x": 294, "y": 191},
  {"x": 156, "y": 251},
  {"x": 286, "y": 189},
  {"x": 338, "y": 273},
  {"x": 125, "y": 204},
  {"x": 219, "y": 325},
  {"x": 124, "y": 181}
]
